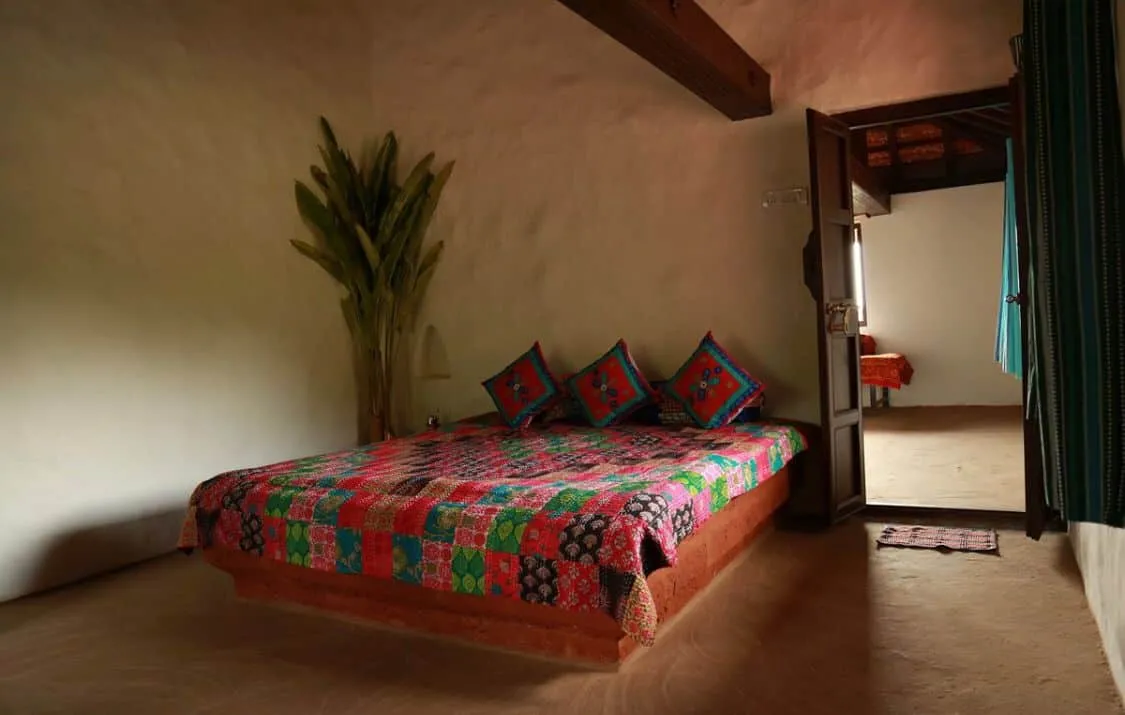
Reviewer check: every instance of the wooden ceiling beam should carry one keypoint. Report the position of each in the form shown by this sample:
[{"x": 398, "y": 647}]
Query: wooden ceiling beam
[
  {"x": 682, "y": 40},
  {"x": 910, "y": 185},
  {"x": 926, "y": 108},
  {"x": 869, "y": 196},
  {"x": 985, "y": 167}
]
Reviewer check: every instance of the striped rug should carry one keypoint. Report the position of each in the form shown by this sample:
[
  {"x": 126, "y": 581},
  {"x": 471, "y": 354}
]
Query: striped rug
[{"x": 939, "y": 537}]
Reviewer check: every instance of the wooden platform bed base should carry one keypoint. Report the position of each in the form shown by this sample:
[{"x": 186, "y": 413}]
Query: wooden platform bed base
[{"x": 510, "y": 624}]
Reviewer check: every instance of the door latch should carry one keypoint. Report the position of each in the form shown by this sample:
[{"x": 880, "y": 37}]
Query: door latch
[{"x": 842, "y": 318}]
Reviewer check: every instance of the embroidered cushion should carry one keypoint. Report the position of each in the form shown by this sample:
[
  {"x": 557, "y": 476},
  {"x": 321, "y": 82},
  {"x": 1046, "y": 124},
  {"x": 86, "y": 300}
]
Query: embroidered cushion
[
  {"x": 668, "y": 412},
  {"x": 523, "y": 389},
  {"x": 611, "y": 387},
  {"x": 563, "y": 408},
  {"x": 712, "y": 388},
  {"x": 662, "y": 410}
]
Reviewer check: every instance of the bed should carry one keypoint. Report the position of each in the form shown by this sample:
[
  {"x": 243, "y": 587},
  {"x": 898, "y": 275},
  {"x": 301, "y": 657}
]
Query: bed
[{"x": 565, "y": 540}]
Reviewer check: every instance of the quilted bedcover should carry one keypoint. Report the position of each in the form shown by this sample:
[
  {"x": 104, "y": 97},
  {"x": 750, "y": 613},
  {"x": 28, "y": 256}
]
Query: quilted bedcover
[{"x": 566, "y": 516}]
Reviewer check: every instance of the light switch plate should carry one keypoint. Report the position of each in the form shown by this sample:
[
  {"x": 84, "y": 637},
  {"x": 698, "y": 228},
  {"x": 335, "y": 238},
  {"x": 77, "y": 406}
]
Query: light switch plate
[{"x": 798, "y": 196}]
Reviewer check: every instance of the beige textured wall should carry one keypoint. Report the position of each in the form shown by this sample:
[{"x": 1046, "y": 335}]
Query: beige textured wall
[
  {"x": 933, "y": 287},
  {"x": 158, "y": 329},
  {"x": 1101, "y": 549},
  {"x": 156, "y": 326},
  {"x": 596, "y": 199}
]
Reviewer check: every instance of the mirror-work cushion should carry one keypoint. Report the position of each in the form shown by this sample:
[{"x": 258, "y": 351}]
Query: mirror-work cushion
[
  {"x": 523, "y": 389},
  {"x": 711, "y": 386},
  {"x": 611, "y": 387}
]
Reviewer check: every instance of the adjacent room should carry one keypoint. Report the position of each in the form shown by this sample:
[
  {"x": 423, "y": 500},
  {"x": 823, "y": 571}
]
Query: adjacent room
[
  {"x": 499, "y": 357},
  {"x": 952, "y": 436},
  {"x": 941, "y": 367},
  {"x": 937, "y": 277},
  {"x": 936, "y": 302}
]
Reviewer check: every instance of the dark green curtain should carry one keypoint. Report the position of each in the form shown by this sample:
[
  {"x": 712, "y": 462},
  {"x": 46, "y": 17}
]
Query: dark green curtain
[{"x": 1075, "y": 173}]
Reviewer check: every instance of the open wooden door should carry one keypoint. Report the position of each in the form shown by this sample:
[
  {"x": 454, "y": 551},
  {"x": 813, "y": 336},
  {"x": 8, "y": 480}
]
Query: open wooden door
[{"x": 830, "y": 276}]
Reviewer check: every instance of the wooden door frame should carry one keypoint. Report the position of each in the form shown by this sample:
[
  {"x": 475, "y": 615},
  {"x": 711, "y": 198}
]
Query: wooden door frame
[
  {"x": 833, "y": 421},
  {"x": 1037, "y": 515}
]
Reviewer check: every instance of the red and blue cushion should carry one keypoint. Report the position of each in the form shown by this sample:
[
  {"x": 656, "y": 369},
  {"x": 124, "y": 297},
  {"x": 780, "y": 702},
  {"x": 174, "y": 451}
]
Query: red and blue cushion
[
  {"x": 711, "y": 386},
  {"x": 610, "y": 388},
  {"x": 523, "y": 389}
]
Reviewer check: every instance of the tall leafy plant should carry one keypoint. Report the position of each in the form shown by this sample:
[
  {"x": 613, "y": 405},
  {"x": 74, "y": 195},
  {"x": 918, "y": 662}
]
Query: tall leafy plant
[{"x": 368, "y": 231}]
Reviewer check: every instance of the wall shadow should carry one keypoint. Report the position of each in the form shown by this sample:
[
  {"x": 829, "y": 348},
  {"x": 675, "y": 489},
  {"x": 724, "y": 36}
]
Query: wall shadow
[{"x": 96, "y": 549}]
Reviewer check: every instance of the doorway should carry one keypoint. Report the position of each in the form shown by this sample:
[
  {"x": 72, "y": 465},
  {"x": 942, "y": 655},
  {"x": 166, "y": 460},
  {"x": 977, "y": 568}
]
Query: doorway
[{"x": 941, "y": 422}]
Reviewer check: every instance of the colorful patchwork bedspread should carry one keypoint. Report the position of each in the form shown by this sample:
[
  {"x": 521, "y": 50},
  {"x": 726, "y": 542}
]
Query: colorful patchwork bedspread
[{"x": 572, "y": 517}]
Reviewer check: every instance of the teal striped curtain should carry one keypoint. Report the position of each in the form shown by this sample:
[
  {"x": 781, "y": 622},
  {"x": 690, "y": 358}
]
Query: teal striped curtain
[
  {"x": 1009, "y": 345},
  {"x": 1075, "y": 183}
]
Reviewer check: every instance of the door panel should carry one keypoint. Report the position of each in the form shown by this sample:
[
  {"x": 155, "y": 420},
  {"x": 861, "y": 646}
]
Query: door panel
[
  {"x": 830, "y": 277},
  {"x": 838, "y": 273},
  {"x": 1038, "y": 513},
  {"x": 846, "y": 391},
  {"x": 848, "y": 451}
]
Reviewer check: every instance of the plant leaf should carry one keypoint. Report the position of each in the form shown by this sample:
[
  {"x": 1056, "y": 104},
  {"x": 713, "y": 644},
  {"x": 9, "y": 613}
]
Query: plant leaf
[
  {"x": 328, "y": 134},
  {"x": 421, "y": 284},
  {"x": 319, "y": 178},
  {"x": 323, "y": 259},
  {"x": 432, "y": 257},
  {"x": 340, "y": 182},
  {"x": 412, "y": 188},
  {"x": 327, "y": 228},
  {"x": 340, "y": 166},
  {"x": 369, "y": 250},
  {"x": 337, "y": 181},
  {"x": 315, "y": 214},
  {"x": 380, "y": 179},
  {"x": 432, "y": 196},
  {"x": 404, "y": 244}
]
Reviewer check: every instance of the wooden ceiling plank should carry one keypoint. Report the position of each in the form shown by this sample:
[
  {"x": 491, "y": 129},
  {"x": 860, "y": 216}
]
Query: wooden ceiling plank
[
  {"x": 955, "y": 124},
  {"x": 1001, "y": 126},
  {"x": 682, "y": 40},
  {"x": 926, "y": 108},
  {"x": 912, "y": 186},
  {"x": 971, "y": 119},
  {"x": 1000, "y": 114},
  {"x": 986, "y": 167}
]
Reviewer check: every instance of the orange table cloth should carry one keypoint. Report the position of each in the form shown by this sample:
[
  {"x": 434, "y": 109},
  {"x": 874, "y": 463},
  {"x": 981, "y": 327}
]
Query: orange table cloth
[{"x": 885, "y": 370}]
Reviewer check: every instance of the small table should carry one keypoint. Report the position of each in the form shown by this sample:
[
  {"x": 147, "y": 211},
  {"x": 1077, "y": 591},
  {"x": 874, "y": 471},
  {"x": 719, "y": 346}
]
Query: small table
[{"x": 889, "y": 371}]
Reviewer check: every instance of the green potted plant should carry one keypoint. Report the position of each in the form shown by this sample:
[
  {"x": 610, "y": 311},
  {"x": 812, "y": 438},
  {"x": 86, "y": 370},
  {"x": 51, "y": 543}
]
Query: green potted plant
[{"x": 368, "y": 232}]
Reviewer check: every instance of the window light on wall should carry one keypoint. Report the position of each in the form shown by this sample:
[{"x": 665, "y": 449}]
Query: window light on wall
[{"x": 859, "y": 287}]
